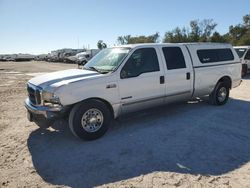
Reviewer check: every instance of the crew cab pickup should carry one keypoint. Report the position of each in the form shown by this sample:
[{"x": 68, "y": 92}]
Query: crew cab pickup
[
  {"x": 129, "y": 78},
  {"x": 244, "y": 55}
]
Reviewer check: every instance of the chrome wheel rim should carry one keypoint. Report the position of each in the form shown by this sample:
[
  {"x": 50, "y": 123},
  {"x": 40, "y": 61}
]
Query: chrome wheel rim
[
  {"x": 222, "y": 94},
  {"x": 92, "y": 120}
]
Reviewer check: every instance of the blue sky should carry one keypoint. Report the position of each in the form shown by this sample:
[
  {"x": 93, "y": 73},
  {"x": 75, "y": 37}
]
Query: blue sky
[{"x": 39, "y": 26}]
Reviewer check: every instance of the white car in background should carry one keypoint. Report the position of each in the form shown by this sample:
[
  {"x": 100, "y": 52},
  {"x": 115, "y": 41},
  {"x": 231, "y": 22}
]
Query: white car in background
[
  {"x": 84, "y": 57},
  {"x": 244, "y": 55}
]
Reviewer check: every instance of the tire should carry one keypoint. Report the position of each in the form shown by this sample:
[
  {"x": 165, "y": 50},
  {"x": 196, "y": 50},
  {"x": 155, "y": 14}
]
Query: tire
[
  {"x": 83, "y": 113},
  {"x": 244, "y": 70},
  {"x": 220, "y": 94}
]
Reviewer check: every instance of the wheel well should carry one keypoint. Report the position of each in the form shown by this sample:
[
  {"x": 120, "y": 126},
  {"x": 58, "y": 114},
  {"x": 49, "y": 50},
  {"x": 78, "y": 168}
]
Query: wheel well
[
  {"x": 227, "y": 80},
  {"x": 105, "y": 102}
]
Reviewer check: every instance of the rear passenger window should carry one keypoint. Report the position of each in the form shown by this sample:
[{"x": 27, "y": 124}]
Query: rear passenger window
[
  {"x": 174, "y": 58},
  {"x": 215, "y": 55},
  {"x": 225, "y": 55},
  {"x": 247, "y": 56}
]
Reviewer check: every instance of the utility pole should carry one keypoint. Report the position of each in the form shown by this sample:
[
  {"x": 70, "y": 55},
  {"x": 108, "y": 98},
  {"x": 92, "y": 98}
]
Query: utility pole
[{"x": 77, "y": 42}]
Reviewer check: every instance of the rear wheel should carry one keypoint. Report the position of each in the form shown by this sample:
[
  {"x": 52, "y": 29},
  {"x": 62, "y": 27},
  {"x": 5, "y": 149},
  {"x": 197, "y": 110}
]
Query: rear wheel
[
  {"x": 220, "y": 94},
  {"x": 89, "y": 120}
]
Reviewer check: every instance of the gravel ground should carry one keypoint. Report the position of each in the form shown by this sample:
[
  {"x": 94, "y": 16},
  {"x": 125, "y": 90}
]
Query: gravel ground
[{"x": 189, "y": 144}]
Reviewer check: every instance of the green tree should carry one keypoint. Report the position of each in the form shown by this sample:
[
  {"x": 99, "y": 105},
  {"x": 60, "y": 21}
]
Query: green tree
[
  {"x": 128, "y": 39},
  {"x": 177, "y": 35},
  {"x": 201, "y": 30},
  {"x": 240, "y": 33},
  {"x": 198, "y": 31},
  {"x": 216, "y": 37},
  {"x": 195, "y": 33},
  {"x": 245, "y": 39},
  {"x": 246, "y": 21},
  {"x": 101, "y": 45},
  {"x": 206, "y": 26},
  {"x": 123, "y": 39}
]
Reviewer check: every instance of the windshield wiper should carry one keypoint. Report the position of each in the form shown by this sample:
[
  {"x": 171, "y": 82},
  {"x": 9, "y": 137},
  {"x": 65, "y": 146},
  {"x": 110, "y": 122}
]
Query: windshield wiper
[
  {"x": 94, "y": 69},
  {"x": 97, "y": 70}
]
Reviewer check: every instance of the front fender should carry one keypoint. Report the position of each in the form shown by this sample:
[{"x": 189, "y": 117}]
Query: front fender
[{"x": 74, "y": 93}]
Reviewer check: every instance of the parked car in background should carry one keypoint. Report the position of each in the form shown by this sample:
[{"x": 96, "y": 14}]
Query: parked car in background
[
  {"x": 244, "y": 55},
  {"x": 67, "y": 57},
  {"x": 24, "y": 57},
  {"x": 62, "y": 55},
  {"x": 8, "y": 57},
  {"x": 41, "y": 57},
  {"x": 83, "y": 57},
  {"x": 2, "y": 58},
  {"x": 128, "y": 78},
  {"x": 71, "y": 59}
]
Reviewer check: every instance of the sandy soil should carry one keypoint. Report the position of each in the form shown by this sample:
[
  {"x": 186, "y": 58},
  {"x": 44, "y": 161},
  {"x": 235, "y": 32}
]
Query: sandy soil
[{"x": 190, "y": 144}]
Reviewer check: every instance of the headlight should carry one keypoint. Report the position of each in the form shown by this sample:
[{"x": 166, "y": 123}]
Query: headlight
[{"x": 50, "y": 97}]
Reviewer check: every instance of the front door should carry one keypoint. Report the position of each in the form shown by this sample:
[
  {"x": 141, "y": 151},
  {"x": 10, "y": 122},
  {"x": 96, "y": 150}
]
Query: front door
[{"x": 141, "y": 83}]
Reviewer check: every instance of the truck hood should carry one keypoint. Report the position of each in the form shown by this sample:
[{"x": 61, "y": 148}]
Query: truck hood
[{"x": 59, "y": 78}]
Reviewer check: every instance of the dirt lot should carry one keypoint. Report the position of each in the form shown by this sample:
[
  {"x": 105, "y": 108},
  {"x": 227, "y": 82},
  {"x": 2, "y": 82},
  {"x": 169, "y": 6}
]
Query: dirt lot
[{"x": 184, "y": 145}]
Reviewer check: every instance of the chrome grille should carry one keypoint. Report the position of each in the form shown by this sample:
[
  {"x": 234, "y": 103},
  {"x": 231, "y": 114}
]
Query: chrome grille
[{"x": 34, "y": 94}]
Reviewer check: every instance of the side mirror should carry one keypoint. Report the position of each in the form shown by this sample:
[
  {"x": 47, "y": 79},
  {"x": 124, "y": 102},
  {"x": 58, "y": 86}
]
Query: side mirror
[{"x": 123, "y": 74}]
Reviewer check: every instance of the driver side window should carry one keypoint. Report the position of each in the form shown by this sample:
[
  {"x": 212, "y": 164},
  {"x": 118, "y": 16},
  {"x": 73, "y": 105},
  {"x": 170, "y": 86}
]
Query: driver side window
[{"x": 141, "y": 61}]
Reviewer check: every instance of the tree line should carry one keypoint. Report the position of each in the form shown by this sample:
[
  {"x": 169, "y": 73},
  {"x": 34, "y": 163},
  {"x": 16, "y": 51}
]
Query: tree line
[{"x": 197, "y": 31}]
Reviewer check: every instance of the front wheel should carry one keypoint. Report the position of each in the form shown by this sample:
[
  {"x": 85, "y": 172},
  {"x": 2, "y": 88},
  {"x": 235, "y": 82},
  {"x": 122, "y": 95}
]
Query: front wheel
[
  {"x": 220, "y": 94},
  {"x": 89, "y": 120}
]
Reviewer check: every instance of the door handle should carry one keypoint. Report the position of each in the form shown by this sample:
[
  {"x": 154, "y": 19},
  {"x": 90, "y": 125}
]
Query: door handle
[
  {"x": 111, "y": 86},
  {"x": 188, "y": 76},
  {"x": 162, "y": 80}
]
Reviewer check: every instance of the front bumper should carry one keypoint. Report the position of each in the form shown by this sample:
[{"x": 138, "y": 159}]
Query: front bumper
[{"x": 46, "y": 112}]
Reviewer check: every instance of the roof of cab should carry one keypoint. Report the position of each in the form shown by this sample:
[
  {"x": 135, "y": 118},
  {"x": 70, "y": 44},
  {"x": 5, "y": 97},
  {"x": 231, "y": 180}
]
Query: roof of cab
[
  {"x": 178, "y": 44},
  {"x": 242, "y": 47}
]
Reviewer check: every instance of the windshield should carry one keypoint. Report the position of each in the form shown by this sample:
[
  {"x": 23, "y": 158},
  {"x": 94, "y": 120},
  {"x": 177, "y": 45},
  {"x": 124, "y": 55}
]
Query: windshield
[
  {"x": 240, "y": 51},
  {"x": 107, "y": 60}
]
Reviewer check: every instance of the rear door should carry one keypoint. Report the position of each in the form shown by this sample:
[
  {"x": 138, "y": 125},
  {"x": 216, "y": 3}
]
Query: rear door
[{"x": 179, "y": 73}]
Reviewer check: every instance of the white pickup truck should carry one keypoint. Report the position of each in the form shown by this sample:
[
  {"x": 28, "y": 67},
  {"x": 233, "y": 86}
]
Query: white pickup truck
[{"x": 128, "y": 78}]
